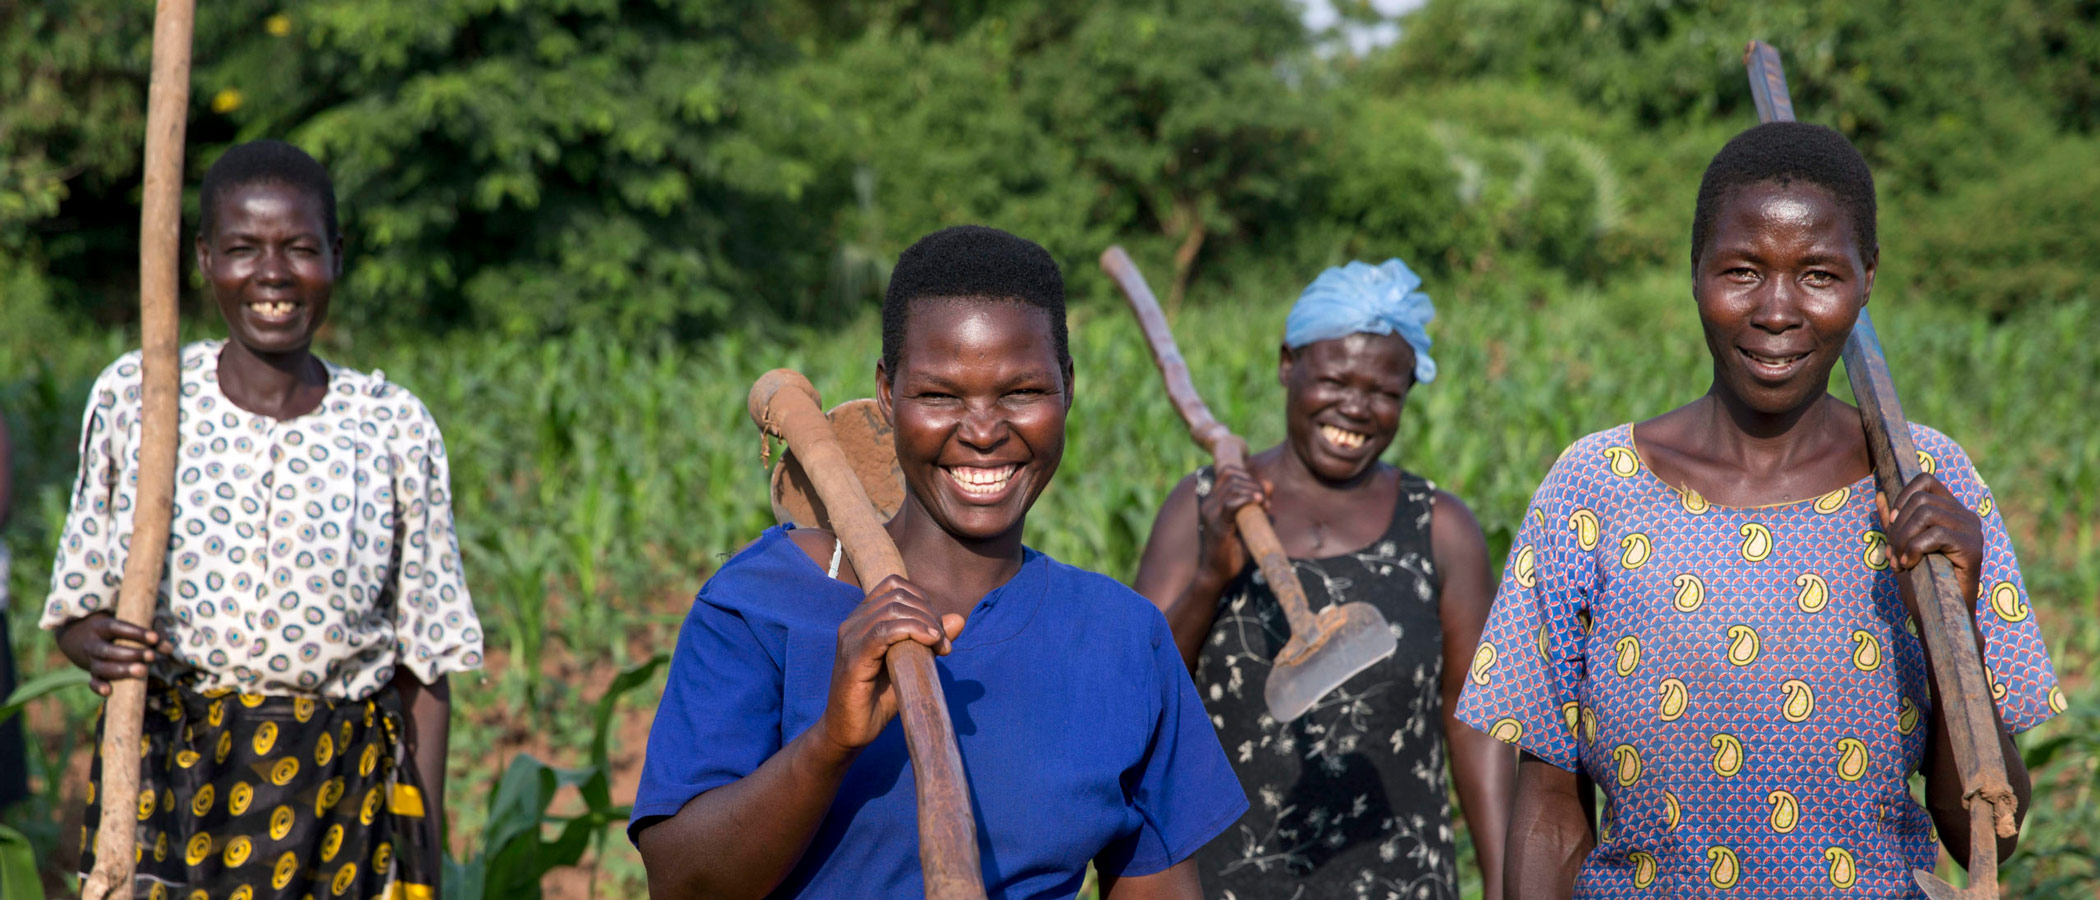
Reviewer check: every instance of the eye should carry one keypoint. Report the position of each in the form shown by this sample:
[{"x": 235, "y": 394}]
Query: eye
[
  {"x": 1741, "y": 273},
  {"x": 1820, "y": 278}
]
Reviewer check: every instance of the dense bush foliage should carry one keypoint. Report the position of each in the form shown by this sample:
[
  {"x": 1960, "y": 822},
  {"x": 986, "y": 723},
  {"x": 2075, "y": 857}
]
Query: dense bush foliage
[{"x": 646, "y": 166}]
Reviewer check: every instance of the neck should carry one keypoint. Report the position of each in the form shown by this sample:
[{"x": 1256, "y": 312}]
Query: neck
[
  {"x": 954, "y": 572},
  {"x": 1759, "y": 441},
  {"x": 270, "y": 384}
]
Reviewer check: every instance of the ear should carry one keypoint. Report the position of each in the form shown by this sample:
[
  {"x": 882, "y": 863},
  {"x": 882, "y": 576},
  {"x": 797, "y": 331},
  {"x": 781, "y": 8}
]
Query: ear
[
  {"x": 1284, "y": 361},
  {"x": 882, "y": 393},
  {"x": 1069, "y": 393},
  {"x": 335, "y": 252},
  {"x": 1872, "y": 262},
  {"x": 203, "y": 256}
]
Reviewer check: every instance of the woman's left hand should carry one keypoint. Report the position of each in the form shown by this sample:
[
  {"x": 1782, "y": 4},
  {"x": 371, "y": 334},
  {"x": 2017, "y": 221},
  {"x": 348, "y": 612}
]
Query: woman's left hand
[{"x": 1929, "y": 519}]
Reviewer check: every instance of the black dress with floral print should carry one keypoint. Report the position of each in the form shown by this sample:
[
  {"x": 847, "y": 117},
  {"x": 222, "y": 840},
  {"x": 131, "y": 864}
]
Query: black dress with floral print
[{"x": 1350, "y": 800}]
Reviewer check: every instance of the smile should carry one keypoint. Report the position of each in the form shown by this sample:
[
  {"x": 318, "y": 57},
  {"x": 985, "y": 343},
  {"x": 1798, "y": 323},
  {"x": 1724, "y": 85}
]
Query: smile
[
  {"x": 1343, "y": 438},
  {"x": 1772, "y": 365},
  {"x": 278, "y": 310},
  {"x": 981, "y": 482}
]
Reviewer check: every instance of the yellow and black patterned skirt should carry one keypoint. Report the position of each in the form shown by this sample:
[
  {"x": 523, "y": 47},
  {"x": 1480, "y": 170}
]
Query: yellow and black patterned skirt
[{"x": 244, "y": 797}]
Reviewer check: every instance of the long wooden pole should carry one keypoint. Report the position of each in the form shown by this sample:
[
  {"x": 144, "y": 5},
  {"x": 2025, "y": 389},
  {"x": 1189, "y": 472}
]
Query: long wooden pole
[
  {"x": 1959, "y": 682},
  {"x": 160, "y": 237},
  {"x": 784, "y": 404}
]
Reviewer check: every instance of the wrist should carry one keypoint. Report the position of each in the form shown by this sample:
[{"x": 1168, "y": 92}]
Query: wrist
[
  {"x": 1209, "y": 582},
  {"x": 823, "y": 754}
]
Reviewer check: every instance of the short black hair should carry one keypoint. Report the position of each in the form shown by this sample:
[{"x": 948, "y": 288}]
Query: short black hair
[
  {"x": 973, "y": 263},
  {"x": 269, "y": 161},
  {"x": 1783, "y": 152}
]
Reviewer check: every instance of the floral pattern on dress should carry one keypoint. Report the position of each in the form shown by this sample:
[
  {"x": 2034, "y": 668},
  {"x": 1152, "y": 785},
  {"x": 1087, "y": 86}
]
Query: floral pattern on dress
[
  {"x": 1350, "y": 800},
  {"x": 308, "y": 556}
]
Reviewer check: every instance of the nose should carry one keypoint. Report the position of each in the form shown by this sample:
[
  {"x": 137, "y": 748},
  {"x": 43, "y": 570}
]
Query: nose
[
  {"x": 1778, "y": 306},
  {"x": 1355, "y": 404},
  {"x": 273, "y": 268},
  {"x": 983, "y": 426}
]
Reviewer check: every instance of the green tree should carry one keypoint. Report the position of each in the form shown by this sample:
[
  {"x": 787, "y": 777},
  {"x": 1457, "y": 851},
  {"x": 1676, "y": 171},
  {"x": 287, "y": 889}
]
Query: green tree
[{"x": 1188, "y": 113}]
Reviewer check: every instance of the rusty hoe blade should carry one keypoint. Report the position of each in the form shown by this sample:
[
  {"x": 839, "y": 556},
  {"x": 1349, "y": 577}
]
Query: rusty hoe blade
[
  {"x": 1958, "y": 678},
  {"x": 1346, "y": 638},
  {"x": 1324, "y": 650}
]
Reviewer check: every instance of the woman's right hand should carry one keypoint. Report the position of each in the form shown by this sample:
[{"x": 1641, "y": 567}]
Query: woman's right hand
[
  {"x": 91, "y": 643},
  {"x": 1219, "y": 555},
  {"x": 862, "y": 698}
]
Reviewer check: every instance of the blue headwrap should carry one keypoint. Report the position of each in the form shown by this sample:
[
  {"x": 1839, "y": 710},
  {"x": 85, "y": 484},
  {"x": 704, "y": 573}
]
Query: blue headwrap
[{"x": 1367, "y": 299}]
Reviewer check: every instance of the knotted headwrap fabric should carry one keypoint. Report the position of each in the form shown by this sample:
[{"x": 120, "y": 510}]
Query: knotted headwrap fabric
[{"x": 1363, "y": 298}]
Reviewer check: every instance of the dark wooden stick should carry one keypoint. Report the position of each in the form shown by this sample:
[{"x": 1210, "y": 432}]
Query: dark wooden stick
[
  {"x": 1226, "y": 449},
  {"x": 160, "y": 237},
  {"x": 785, "y": 406},
  {"x": 1949, "y": 619}
]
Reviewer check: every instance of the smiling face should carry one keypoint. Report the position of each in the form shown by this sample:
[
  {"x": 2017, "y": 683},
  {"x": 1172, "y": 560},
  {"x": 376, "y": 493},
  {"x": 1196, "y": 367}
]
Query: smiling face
[
  {"x": 978, "y": 401},
  {"x": 271, "y": 265},
  {"x": 1343, "y": 399},
  {"x": 1779, "y": 285}
]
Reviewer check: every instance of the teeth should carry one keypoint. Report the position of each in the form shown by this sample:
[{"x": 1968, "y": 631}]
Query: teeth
[
  {"x": 974, "y": 480},
  {"x": 1347, "y": 440},
  {"x": 273, "y": 308},
  {"x": 1772, "y": 360}
]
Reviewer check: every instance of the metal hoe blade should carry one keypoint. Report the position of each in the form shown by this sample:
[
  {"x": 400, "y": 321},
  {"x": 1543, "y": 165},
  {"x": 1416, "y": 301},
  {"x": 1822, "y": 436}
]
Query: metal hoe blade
[{"x": 1345, "y": 639}]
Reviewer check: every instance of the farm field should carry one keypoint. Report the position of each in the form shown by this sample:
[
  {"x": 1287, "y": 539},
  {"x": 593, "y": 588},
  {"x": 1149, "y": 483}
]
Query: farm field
[{"x": 597, "y": 483}]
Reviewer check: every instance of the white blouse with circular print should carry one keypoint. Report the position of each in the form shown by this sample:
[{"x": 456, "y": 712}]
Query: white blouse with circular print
[{"x": 309, "y": 556}]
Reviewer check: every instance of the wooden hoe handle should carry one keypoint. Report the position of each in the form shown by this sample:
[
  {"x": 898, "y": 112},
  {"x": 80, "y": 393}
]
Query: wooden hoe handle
[
  {"x": 1949, "y": 623},
  {"x": 1226, "y": 449},
  {"x": 784, "y": 405},
  {"x": 160, "y": 236}
]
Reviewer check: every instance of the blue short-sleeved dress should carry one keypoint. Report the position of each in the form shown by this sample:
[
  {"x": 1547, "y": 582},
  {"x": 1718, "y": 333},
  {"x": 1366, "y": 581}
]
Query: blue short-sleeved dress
[
  {"x": 1077, "y": 723},
  {"x": 1744, "y": 683}
]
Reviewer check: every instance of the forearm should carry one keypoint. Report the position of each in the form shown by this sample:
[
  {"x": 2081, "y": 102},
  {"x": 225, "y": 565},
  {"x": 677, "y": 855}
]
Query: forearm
[
  {"x": 1190, "y": 615},
  {"x": 1943, "y": 784},
  {"x": 1548, "y": 838},
  {"x": 427, "y": 713},
  {"x": 1486, "y": 772},
  {"x": 743, "y": 838}
]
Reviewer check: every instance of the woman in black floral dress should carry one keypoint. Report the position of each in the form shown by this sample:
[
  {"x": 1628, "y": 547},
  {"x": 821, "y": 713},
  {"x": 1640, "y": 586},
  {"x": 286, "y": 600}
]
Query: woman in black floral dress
[{"x": 1351, "y": 799}]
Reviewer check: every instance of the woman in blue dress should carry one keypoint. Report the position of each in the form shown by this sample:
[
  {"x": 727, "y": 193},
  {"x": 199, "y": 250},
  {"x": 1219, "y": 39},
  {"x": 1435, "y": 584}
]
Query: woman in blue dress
[
  {"x": 1702, "y": 610},
  {"x": 775, "y": 766}
]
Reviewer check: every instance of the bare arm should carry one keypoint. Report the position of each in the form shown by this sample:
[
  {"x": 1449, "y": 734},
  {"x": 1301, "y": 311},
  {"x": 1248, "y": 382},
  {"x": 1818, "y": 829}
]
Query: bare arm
[
  {"x": 1177, "y": 882},
  {"x": 1485, "y": 768},
  {"x": 428, "y": 710},
  {"x": 1193, "y": 555},
  {"x": 1930, "y": 519},
  {"x": 743, "y": 838},
  {"x": 1548, "y": 835}
]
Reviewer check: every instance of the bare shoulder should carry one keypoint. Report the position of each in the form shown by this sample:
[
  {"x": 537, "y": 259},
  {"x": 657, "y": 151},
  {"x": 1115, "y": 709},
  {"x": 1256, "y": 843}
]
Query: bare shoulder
[{"x": 1452, "y": 523}]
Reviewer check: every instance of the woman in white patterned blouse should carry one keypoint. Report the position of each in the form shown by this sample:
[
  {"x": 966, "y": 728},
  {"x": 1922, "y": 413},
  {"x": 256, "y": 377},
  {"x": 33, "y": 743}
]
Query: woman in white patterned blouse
[{"x": 313, "y": 602}]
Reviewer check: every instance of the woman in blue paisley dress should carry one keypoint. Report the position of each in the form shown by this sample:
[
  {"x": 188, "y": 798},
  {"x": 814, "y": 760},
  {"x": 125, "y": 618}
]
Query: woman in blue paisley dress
[
  {"x": 313, "y": 602},
  {"x": 1351, "y": 799}
]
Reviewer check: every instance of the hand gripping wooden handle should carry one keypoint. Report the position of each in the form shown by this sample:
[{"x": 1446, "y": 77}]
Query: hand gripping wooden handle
[
  {"x": 1949, "y": 619},
  {"x": 784, "y": 405},
  {"x": 1226, "y": 449},
  {"x": 160, "y": 235}
]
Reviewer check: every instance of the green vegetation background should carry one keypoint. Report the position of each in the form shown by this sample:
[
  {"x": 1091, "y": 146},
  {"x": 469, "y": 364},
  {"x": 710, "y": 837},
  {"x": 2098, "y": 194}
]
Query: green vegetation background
[{"x": 580, "y": 228}]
